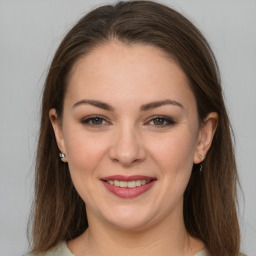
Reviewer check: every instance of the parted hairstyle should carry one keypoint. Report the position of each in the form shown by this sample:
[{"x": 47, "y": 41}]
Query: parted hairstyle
[{"x": 210, "y": 199}]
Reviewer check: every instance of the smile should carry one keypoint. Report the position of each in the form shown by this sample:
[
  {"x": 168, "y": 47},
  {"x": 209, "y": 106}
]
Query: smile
[{"x": 128, "y": 186}]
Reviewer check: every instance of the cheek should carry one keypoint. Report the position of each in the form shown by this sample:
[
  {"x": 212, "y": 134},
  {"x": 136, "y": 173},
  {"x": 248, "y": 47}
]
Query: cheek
[
  {"x": 175, "y": 152},
  {"x": 84, "y": 153}
]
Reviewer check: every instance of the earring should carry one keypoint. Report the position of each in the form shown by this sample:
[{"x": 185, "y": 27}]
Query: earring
[
  {"x": 62, "y": 156},
  {"x": 201, "y": 165}
]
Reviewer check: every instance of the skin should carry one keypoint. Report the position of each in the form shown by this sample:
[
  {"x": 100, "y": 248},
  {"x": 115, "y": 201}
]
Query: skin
[{"x": 127, "y": 140}]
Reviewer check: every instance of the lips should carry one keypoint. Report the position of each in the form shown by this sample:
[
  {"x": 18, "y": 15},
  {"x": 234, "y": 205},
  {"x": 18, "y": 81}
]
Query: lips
[{"x": 128, "y": 186}]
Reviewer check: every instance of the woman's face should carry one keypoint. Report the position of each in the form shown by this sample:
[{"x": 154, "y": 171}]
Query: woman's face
[{"x": 131, "y": 134}]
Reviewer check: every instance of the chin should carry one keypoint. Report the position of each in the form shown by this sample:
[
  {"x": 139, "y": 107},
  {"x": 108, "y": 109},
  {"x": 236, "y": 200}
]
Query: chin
[
  {"x": 130, "y": 224},
  {"x": 129, "y": 219}
]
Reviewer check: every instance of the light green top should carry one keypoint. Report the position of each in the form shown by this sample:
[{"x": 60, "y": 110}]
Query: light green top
[{"x": 62, "y": 250}]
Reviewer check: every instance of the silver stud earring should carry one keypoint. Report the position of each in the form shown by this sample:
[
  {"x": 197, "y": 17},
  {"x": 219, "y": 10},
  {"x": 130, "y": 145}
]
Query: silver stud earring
[
  {"x": 62, "y": 156},
  {"x": 200, "y": 156}
]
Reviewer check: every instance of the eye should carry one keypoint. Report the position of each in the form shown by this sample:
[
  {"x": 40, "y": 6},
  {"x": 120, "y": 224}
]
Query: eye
[
  {"x": 161, "y": 121},
  {"x": 94, "y": 121}
]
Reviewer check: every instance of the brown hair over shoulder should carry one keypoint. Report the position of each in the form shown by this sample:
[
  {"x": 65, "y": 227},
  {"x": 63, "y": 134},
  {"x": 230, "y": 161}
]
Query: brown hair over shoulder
[{"x": 210, "y": 198}]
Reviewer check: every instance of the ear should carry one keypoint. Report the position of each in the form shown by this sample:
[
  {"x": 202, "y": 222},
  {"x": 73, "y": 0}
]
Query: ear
[
  {"x": 56, "y": 124},
  {"x": 205, "y": 137}
]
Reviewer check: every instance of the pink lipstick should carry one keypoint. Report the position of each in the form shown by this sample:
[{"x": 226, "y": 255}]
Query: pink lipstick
[{"x": 128, "y": 186}]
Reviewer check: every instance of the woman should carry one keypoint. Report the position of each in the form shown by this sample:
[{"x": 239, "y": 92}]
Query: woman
[{"x": 135, "y": 150}]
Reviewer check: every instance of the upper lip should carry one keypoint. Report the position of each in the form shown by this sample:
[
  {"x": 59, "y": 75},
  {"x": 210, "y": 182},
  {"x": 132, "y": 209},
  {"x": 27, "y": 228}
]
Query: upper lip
[{"x": 128, "y": 178}]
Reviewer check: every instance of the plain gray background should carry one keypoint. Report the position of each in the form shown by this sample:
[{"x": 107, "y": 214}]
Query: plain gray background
[{"x": 30, "y": 31}]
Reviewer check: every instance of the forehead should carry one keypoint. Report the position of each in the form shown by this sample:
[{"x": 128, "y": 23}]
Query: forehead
[
  {"x": 116, "y": 56},
  {"x": 129, "y": 71}
]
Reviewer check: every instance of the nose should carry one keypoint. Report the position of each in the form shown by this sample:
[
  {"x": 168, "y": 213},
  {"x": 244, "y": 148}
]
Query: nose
[{"x": 127, "y": 147}]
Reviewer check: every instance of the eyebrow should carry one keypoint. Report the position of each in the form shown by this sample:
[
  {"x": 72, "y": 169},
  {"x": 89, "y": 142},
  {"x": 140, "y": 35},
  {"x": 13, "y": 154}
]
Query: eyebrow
[
  {"x": 157, "y": 104},
  {"x": 95, "y": 103},
  {"x": 146, "y": 107}
]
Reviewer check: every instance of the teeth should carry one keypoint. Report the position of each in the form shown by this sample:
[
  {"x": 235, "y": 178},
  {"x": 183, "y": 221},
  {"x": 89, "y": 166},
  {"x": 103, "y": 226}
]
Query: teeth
[
  {"x": 123, "y": 184},
  {"x": 131, "y": 184},
  {"x": 138, "y": 183},
  {"x": 128, "y": 184},
  {"x": 116, "y": 183}
]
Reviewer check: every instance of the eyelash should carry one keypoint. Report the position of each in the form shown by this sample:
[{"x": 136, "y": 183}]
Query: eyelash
[
  {"x": 88, "y": 121},
  {"x": 166, "y": 121}
]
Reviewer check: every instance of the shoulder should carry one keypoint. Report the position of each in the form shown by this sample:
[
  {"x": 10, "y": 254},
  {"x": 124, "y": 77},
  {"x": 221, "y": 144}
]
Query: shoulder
[
  {"x": 205, "y": 252},
  {"x": 60, "y": 250}
]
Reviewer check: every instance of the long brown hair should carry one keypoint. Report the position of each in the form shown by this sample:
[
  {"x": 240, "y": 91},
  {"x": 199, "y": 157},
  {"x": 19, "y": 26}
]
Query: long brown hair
[{"x": 210, "y": 198}]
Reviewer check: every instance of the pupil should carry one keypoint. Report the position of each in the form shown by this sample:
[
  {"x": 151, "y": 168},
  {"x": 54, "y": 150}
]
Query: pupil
[
  {"x": 159, "y": 121},
  {"x": 97, "y": 120}
]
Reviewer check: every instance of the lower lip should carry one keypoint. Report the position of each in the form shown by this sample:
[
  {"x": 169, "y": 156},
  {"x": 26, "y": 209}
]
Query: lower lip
[{"x": 128, "y": 192}]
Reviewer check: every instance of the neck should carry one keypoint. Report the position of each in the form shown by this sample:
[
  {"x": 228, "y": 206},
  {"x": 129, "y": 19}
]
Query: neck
[
  {"x": 165, "y": 239},
  {"x": 136, "y": 243}
]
